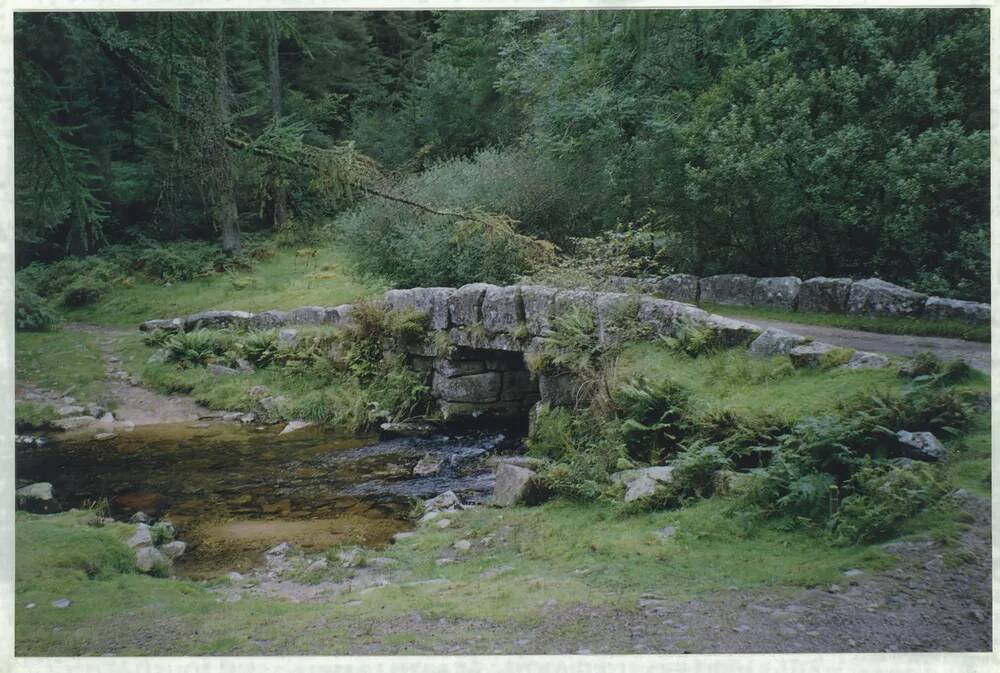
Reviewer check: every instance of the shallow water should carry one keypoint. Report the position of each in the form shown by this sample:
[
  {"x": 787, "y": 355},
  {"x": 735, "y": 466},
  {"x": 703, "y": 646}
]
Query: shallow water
[{"x": 233, "y": 492}]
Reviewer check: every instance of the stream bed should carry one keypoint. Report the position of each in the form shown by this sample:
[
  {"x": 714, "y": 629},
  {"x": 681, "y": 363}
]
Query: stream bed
[{"x": 234, "y": 491}]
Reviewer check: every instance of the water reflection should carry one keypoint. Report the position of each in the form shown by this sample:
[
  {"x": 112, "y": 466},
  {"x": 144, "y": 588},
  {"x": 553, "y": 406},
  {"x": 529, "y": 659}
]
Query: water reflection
[{"x": 233, "y": 492}]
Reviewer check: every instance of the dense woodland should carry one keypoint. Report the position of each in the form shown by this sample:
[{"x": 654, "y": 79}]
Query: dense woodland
[{"x": 446, "y": 147}]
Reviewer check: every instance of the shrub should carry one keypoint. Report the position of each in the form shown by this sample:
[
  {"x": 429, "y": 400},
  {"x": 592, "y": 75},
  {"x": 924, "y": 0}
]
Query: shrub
[
  {"x": 30, "y": 416},
  {"x": 694, "y": 470},
  {"x": 882, "y": 497},
  {"x": 651, "y": 417},
  {"x": 692, "y": 341},
  {"x": 82, "y": 292},
  {"x": 31, "y": 312},
  {"x": 554, "y": 433},
  {"x": 693, "y": 477},
  {"x": 157, "y": 338},
  {"x": 260, "y": 347},
  {"x": 198, "y": 347},
  {"x": 569, "y": 481},
  {"x": 571, "y": 345},
  {"x": 412, "y": 247},
  {"x": 587, "y": 451},
  {"x": 746, "y": 439}
]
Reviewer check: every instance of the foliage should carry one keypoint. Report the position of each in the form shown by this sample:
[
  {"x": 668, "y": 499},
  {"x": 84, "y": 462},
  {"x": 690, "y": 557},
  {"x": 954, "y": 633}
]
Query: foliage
[
  {"x": 880, "y": 498},
  {"x": 413, "y": 249},
  {"x": 633, "y": 250},
  {"x": 651, "y": 417},
  {"x": 31, "y": 416},
  {"x": 802, "y": 142},
  {"x": 198, "y": 347},
  {"x": 31, "y": 313},
  {"x": 692, "y": 340},
  {"x": 692, "y": 478},
  {"x": 571, "y": 344}
]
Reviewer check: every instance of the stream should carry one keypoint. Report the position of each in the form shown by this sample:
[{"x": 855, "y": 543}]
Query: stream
[{"x": 234, "y": 491}]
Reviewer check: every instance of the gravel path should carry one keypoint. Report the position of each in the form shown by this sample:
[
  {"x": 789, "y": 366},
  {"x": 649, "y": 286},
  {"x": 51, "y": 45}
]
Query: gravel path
[{"x": 977, "y": 354}]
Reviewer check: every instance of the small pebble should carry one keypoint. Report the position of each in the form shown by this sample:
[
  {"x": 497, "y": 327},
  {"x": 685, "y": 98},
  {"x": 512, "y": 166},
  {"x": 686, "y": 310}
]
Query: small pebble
[
  {"x": 61, "y": 603},
  {"x": 443, "y": 523},
  {"x": 463, "y": 545},
  {"x": 30, "y": 606}
]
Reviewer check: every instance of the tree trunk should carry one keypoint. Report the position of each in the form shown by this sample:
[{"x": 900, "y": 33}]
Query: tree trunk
[
  {"x": 279, "y": 197},
  {"x": 224, "y": 196}
]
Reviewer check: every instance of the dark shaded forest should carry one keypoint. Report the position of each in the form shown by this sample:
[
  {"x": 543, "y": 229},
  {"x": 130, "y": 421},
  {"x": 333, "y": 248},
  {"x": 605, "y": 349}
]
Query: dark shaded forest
[{"x": 440, "y": 147}]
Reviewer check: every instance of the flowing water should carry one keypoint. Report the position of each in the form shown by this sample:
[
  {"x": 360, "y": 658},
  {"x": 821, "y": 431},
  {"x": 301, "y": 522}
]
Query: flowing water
[{"x": 233, "y": 492}]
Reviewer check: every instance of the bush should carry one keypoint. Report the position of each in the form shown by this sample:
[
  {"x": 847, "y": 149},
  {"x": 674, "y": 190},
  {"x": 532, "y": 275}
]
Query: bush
[
  {"x": 571, "y": 345},
  {"x": 31, "y": 312},
  {"x": 413, "y": 248},
  {"x": 82, "y": 280},
  {"x": 569, "y": 481},
  {"x": 554, "y": 433},
  {"x": 82, "y": 293},
  {"x": 260, "y": 347},
  {"x": 651, "y": 417},
  {"x": 583, "y": 452},
  {"x": 692, "y": 341},
  {"x": 693, "y": 477},
  {"x": 198, "y": 347},
  {"x": 881, "y": 498}
]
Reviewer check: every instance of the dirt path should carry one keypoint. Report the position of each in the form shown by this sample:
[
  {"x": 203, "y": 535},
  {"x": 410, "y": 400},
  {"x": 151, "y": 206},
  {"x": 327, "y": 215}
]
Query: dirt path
[
  {"x": 975, "y": 353},
  {"x": 134, "y": 403}
]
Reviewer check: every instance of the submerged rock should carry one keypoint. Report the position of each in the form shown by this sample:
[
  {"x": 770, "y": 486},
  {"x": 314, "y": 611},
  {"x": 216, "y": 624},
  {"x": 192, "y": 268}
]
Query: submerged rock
[
  {"x": 405, "y": 429},
  {"x": 430, "y": 464},
  {"x": 74, "y": 422},
  {"x": 293, "y": 426}
]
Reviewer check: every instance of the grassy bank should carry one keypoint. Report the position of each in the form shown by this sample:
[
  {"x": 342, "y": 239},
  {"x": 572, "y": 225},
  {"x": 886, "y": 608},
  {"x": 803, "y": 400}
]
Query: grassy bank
[
  {"x": 575, "y": 555},
  {"x": 955, "y": 329},
  {"x": 286, "y": 280}
]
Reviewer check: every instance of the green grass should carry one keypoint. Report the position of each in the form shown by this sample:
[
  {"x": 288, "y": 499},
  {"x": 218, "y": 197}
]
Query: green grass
[
  {"x": 31, "y": 415},
  {"x": 282, "y": 282},
  {"x": 955, "y": 329},
  {"x": 64, "y": 362},
  {"x": 575, "y": 554},
  {"x": 579, "y": 555},
  {"x": 731, "y": 379}
]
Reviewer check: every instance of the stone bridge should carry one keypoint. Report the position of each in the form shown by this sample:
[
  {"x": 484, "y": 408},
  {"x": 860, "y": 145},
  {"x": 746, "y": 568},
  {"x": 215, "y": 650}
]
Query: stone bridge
[{"x": 481, "y": 374}]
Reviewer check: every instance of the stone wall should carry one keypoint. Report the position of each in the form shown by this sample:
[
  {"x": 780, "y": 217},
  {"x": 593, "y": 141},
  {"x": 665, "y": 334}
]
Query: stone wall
[
  {"x": 477, "y": 370},
  {"x": 871, "y": 297},
  {"x": 481, "y": 373}
]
